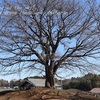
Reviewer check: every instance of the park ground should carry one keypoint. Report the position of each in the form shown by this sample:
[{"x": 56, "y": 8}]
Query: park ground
[{"x": 47, "y": 94}]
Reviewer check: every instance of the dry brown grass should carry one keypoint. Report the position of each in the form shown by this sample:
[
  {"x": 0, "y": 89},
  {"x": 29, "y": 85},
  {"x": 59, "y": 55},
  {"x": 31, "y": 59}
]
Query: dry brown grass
[{"x": 47, "y": 94}]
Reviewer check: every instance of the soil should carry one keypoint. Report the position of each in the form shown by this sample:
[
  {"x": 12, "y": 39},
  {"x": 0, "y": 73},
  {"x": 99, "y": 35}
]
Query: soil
[{"x": 47, "y": 94}]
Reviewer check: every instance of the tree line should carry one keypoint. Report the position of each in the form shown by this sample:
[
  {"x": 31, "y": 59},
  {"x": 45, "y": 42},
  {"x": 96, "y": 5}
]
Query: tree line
[
  {"x": 4, "y": 83},
  {"x": 84, "y": 83},
  {"x": 11, "y": 84}
]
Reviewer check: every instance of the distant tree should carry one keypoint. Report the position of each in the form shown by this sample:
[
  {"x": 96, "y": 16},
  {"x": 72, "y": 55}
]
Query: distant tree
[
  {"x": 4, "y": 83},
  {"x": 65, "y": 86},
  {"x": 74, "y": 85},
  {"x": 48, "y": 35},
  {"x": 84, "y": 85},
  {"x": 13, "y": 83},
  {"x": 94, "y": 81}
]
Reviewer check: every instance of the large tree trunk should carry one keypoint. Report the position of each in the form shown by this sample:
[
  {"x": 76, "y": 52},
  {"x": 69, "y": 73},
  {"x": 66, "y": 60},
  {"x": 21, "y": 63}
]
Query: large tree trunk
[{"x": 50, "y": 79}]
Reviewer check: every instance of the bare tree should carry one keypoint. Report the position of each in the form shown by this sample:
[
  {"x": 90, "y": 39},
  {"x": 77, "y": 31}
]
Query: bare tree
[{"x": 48, "y": 35}]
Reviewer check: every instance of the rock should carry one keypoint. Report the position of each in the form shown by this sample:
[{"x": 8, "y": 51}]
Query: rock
[{"x": 50, "y": 97}]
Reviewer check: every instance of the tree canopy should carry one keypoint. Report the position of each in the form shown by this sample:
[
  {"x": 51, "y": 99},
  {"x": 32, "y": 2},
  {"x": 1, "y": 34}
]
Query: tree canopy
[{"x": 48, "y": 35}]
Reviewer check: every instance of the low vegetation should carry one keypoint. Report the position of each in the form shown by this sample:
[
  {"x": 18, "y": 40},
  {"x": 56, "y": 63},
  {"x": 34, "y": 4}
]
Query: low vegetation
[{"x": 85, "y": 83}]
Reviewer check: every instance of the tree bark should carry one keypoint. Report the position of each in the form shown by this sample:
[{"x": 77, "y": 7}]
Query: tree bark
[{"x": 50, "y": 79}]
